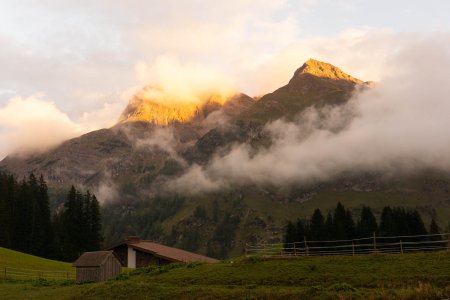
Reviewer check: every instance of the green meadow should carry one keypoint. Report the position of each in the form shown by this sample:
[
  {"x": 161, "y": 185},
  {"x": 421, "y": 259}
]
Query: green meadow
[{"x": 378, "y": 276}]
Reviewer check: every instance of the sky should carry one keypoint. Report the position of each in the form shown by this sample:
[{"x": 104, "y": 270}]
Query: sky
[{"x": 69, "y": 67}]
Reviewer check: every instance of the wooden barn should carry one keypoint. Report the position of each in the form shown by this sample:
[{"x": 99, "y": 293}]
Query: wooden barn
[
  {"x": 97, "y": 266},
  {"x": 136, "y": 253}
]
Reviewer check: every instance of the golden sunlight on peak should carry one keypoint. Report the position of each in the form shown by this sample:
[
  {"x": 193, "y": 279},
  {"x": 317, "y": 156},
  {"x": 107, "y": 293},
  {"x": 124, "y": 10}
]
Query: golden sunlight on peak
[
  {"x": 322, "y": 69},
  {"x": 157, "y": 107}
]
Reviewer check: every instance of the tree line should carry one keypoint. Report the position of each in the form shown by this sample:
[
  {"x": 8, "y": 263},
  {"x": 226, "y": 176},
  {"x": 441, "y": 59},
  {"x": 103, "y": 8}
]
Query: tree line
[
  {"x": 340, "y": 225},
  {"x": 27, "y": 225}
]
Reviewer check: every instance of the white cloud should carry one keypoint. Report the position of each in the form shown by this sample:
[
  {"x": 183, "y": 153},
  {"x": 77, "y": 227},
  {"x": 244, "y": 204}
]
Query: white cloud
[{"x": 33, "y": 124}]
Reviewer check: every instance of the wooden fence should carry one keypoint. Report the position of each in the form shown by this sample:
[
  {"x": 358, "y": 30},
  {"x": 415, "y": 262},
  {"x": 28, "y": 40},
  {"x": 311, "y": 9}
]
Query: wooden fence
[
  {"x": 368, "y": 245},
  {"x": 17, "y": 273}
]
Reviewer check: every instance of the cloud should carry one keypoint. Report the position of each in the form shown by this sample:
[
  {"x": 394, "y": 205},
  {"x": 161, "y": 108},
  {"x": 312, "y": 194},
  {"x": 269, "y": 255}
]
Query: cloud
[
  {"x": 175, "y": 83},
  {"x": 33, "y": 124},
  {"x": 163, "y": 139},
  {"x": 399, "y": 126}
]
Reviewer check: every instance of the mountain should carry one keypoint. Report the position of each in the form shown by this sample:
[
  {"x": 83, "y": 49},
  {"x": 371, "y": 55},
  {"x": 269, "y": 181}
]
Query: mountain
[
  {"x": 154, "y": 142},
  {"x": 314, "y": 84}
]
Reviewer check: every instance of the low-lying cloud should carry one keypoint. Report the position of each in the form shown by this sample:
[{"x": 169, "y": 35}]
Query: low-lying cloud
[
  {"x": 33, "y": 124},
  {"x": 400, "y": 125}
]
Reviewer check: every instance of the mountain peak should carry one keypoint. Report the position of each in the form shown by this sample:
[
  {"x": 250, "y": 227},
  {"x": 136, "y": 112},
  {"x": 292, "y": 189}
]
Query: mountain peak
[{"x": 325, "y": 70}]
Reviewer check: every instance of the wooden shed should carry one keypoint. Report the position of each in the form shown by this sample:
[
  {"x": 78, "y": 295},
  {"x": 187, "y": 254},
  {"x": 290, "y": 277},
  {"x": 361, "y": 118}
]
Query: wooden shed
[{"x": 97, "y": 266}]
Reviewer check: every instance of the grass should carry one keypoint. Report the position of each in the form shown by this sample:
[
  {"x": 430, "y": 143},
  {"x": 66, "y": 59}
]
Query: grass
[
  {"x": 13, "y": 259},
  {"x": 407, "y": 276}
]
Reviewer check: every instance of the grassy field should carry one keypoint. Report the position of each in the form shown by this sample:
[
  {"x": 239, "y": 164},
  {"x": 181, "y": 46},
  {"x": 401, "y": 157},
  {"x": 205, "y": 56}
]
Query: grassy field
[
  {"x": 14, "y": 259},
  {"x": 407, "y": 276},
  {"x": 17, "y": 265}
]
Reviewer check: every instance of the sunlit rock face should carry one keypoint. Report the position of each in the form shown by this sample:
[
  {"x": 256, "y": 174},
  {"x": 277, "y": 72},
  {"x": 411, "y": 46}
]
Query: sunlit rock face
[
  {"x": 324, "y": 70},
  {"x": 153, "y": 106}
]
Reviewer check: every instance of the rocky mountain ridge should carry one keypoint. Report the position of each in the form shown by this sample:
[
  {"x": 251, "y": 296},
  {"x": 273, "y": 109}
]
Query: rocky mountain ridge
[{"x": 128, "y": 165}]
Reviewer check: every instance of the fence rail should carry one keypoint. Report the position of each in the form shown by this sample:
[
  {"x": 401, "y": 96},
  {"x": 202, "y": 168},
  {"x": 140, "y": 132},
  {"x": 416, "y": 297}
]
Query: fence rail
[
  {"x": 360, "y": 246},
  {"x": 18, "y": 273}
]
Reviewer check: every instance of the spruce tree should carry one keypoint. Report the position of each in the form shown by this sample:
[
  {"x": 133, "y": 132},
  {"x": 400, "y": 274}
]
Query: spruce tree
[
  {"x": 22, "y": 219},
  {"x": 340, "y": 223},
  {"x": 367, "y": 224},
  {"x": 349, "y": 225},
  {"x": 71, "y": 221},
  {"x": 41, "y": 239},
  {"x": 317, "y": 226},
  {"x": 387, "y": 226},
  {"x": 95, "y": 225},
  {"x": 434, "y": 229},
  {"x": 301, "y": 231},
  {"x": 416, "y": 225},
  {"x": 290, "y": 237},
  {"x": 8, "y": 187},
  {"x": 329, "y": 229}
]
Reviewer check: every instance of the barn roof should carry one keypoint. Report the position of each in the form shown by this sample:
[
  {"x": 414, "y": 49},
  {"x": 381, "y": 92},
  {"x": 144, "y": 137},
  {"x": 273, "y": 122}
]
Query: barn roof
[
  {"x": 166, "y": 252},
  {"x": 93, "y": 259}
]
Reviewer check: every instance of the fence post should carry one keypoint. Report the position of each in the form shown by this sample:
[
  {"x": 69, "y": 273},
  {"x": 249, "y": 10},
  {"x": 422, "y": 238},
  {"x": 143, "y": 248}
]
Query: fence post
[
  {"x": 448, "y": 242},
  {"x": 401, "y": 247},
  {"x": 353, "y": 248},
  {"x": 295, "y": 249},
  {"x": 374, "y": 242},
  {"x": 306, "y": 246},
  {"x": 5, "y": 272}
]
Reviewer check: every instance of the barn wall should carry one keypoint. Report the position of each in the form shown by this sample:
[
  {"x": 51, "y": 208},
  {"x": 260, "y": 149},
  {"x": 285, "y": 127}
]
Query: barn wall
[
  {"x": 110, "y": 269},
  {"x": 122, "y": 252},
  {"x": 144, "y": 259},
  {"x": 88, "y": 274}
]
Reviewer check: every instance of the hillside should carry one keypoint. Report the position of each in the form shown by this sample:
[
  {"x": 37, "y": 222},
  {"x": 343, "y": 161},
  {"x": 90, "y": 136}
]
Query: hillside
[
  {"x": 407, "y": 276},
  {"x": 14, "y": 259}
]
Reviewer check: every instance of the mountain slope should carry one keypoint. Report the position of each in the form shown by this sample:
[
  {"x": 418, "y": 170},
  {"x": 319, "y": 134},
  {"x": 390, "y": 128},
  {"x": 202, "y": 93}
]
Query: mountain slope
[
  {"x": 153, "y": 143},
  {"x": 315, "y": 83}
]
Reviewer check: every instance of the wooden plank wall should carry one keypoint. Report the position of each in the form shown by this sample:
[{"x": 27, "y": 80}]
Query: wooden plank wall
[{"x": 110, "y": 269}]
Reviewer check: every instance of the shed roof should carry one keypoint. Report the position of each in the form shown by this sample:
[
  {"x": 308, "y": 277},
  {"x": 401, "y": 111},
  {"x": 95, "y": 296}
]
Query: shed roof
[
  {"x": 93, "y": 259},
  {"x": 166, "y": 252}
]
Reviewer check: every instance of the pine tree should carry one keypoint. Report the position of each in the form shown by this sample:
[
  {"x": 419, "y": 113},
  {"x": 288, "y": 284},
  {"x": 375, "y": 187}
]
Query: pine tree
[
  {"x": 367, "y": 224},
  {"x": 8, "y": 187},
  {"x": 48, "y": 236},
  {"x": 329, "y": 229},
  {"x": 434, "y": 229},
  {"x": 41, "y": 239},
  {"x": 95, "y": 225},
  {"x": 317, "y": 226},
  {"x": 22, "y": 219},
  {"x": 349, "y": 225},
  {"x": 416, "y": 225},
  {"x": 301, "y": 231},
  {"x": 72, "y": 222},
  {"x": 387, "y": 226},
  {"x": 340, "y": 223},
  {"x": 290, "y": 236}
]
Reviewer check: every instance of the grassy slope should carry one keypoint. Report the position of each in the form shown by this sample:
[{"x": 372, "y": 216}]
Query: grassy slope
[
  {"x": 13, "y": 259},
  {"x": 409, "y": 276}
]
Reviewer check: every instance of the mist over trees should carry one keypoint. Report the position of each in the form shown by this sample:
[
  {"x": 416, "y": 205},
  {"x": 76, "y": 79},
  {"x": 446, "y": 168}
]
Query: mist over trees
[{"x": 26, "y": 224}]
